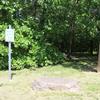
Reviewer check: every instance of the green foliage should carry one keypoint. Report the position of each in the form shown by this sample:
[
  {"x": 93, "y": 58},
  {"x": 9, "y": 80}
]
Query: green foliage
[
  {"x": 45, "y": 54},
  {"x": 45, "y": 29}
]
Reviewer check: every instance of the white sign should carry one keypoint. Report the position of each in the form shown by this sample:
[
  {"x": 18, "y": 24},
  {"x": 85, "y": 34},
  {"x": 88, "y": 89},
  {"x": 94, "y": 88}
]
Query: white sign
[{"x": 9, "y": 35}]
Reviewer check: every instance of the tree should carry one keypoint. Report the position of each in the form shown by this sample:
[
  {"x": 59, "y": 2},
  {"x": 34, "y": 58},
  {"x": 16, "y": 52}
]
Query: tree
[{"x": 48, "y": 29}]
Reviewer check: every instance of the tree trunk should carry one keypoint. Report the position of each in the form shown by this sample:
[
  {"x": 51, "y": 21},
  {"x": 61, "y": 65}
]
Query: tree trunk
[
  {"x": 98, "y": 66},
  {"x": 34, "y": 7},
  {"x": 42, "y": 17},
  {"x": 71, "y": 36},
  {"x": 91, "y": 47},
  {"x": 70, "y": 45}
]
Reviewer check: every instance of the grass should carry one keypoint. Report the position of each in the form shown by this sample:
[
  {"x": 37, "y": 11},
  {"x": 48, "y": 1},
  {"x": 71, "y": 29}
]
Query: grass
[{"x": 20, "y": 87}]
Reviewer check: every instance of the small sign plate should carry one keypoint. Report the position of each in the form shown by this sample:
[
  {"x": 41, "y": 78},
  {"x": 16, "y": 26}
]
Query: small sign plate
[{"x": 9, "y": 35}]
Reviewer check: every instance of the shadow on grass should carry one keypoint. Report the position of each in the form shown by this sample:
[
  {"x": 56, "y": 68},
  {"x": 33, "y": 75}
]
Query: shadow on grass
[
  {"x": 1, "y": 85},
  {"x": 87, "y": 64},
  {"x": 12, "y": 75}
]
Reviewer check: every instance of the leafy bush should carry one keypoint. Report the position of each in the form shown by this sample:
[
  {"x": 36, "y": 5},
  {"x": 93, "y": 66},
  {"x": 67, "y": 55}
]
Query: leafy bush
[
  {"x": 29, "y": 48},
  {"x": 45, "y": 54},
  {"x": 39, "y": 55}
]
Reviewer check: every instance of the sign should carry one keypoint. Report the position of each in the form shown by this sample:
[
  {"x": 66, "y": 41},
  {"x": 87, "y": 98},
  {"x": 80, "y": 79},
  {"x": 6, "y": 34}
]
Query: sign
[{"x": 9, "y": 35}]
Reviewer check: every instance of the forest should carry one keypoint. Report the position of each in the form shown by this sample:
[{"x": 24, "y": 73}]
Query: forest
[{"x": 49, "y": 32}]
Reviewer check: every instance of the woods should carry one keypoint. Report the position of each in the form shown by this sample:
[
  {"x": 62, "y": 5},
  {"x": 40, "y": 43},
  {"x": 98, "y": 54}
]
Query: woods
[{"x": 49, "y": 30}]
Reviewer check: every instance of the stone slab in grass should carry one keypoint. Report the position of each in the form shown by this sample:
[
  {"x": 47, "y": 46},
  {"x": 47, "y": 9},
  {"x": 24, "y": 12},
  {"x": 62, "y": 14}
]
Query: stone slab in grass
[{"x": 69, "y": 85}]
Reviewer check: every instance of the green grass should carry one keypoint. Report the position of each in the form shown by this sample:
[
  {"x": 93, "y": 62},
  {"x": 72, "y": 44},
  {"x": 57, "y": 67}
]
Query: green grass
[{"x": 20, "y": 87}]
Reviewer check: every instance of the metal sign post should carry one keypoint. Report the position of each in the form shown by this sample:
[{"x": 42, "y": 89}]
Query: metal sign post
[
  {"x": 9, "y": 37},
  {"x": 9, "y": 59}
]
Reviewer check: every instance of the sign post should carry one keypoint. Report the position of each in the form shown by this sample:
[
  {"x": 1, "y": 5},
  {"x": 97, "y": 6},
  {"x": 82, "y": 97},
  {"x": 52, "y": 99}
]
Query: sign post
[
  {"x": 9, "y": 59},
  {"x": 9, "y": 37}
]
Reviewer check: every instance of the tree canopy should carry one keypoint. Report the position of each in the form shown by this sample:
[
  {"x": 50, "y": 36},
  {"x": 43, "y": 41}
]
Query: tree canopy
[{"x": 47, "y": 30}]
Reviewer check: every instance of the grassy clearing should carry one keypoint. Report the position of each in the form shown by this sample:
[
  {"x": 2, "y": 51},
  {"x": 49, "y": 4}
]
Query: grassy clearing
[{"x": 20, "y": 87}]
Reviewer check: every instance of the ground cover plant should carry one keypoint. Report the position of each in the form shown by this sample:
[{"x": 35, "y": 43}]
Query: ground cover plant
[{"x": 21, "y": 84}]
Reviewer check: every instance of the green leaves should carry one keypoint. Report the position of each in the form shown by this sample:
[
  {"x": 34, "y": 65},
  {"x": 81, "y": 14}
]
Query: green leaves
[{"x": 44, "y": 30}]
